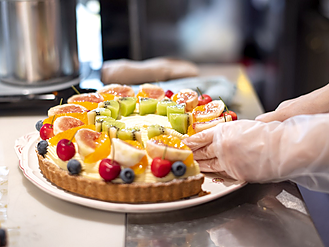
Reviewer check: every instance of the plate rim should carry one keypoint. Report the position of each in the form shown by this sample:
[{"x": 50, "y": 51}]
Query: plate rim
[{"x": 25, "y": 145}]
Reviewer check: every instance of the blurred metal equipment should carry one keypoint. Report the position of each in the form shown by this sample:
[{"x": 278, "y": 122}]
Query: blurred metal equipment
[{"x": 38, "y": 42}]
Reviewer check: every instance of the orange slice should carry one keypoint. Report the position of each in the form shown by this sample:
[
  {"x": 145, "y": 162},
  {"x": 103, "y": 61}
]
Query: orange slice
[
  {"x": 102, "y": 150},
  {"x": 141, "y": 94},
  {"x": 107, "y": 96},
  {"x": 89, "y": 105},
  {"x": 79, "y": 115},
  {"x": 68, "y": 134},
  {"x": 171, "y": 147},
  {"x": 140, "y": 167}
]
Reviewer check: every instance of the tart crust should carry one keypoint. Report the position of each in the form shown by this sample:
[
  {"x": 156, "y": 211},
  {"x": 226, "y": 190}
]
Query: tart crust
[{"x": 124, "y": 193}]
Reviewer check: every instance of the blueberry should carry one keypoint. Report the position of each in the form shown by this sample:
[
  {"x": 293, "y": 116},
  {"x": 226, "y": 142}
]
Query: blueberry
[
  {"x": 178, "y": 168},
  {"x": 42, "y": 147},
  {"x": 74, "y": 166},
  {"x": 38, "y": 125},
  {"x": 3, "y": 237},
  {"x": 127, "y": 175}
]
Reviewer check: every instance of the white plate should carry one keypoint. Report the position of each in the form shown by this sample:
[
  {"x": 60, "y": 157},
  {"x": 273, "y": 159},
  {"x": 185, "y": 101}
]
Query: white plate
[{"x": 25, "y": 150}]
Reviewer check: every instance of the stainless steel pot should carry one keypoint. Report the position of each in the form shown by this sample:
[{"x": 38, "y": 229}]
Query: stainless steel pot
[{"x": 38, "y": 42}]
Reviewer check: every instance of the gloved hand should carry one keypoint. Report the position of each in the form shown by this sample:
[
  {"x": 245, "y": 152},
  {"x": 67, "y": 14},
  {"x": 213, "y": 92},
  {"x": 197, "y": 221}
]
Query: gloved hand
[
  {"x": 253, "y": 151},
  {"x": 312, "y": 103}
]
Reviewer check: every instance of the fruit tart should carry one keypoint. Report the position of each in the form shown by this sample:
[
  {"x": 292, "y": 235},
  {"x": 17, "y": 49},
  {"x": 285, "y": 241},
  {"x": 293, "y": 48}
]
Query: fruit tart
[{"x": 115, "y": 146}]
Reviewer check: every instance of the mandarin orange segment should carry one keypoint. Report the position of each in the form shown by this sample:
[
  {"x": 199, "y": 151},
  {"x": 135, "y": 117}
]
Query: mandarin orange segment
[
  {"x": 107, "y": 96},
  {"x": 68, "y": 134},
  {"x": 136, "y": 144},
  {"x": 189, "y": 160},
  {"x": 171, "y": 141},
  {"x": 141, "y": 94},
  {"x": 190, "y": 130},
  {"x": 79, "y": 115},
  {"x": 89, "y": 105},
  {"x": 102, "y": 150},
  {"x": 140, "y": 167},
  {"x": 174, "y": 97}
]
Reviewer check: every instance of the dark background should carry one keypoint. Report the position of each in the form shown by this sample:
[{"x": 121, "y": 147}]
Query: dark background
[{"x": 284, "y": 44}]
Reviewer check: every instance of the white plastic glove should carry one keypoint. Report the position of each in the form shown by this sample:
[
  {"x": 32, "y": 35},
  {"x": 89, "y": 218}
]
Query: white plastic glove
[
  {"x": 312, "y": 103},
  {"x": 253, "y": 151}
]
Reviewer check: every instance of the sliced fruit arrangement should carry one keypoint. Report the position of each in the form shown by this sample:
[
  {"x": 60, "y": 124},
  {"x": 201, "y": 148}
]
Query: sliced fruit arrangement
[
  {"x": 188, "y": 97},
  {"x": 66, "y": 108},
  {"x": 64, "y": 123},
  {"x": 150, "y": 91},
  {"x": 210, "y": 110},
  {"x": 175, "y": 149},
  {"x": 147, "y": 106},
  {"x": 98, "y": 113},
  {"x": 127, "y": 105},
  {"x": 163, "y": 104},
  {"x": 90, "y": 97},
  {"x": 79, "y": 115},
  {"x": 113, "y": 106},
  {"x": 117, "y": 90}
]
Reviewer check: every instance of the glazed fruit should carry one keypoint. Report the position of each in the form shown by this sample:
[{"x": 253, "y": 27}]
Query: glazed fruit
[
  {"x": 130, "y": 134},
  {"x": 42, "y": 147},
  {"x": 160, "y": 167},
  {"x": 127, "y": 155},
  {"x": 231, "y": 113},
  {"x": 92, "y": 115},
  {"x": 66, "y": 108},
  {"x": 179, "y": 108},
  {"x": 152, "y": 91},
  {"x": 109, "y": 169},
  {"x": 46, "y": 131},
  {"x": 113, "y": 106},
  {"x": 187, "y": 97},
  {"x": 127, "y": 105},
  {"x": 74, "y": 166},
  {"x": 147, "y": 106},
  {"x": 179, "y": 122},
  {"x": 173, "y": 148},
  {"x": 86, "y": 97},
  {"x": 208, "y": 111},
  {"x": 64, "y": 123},
  {"x": 178, "y": 168},
  {"x": 118, "y": 90},
  {"x": 38, "y": 125},
  {"x": 200, "y": 126},
  {"x": 163, "y": 104},
  {"x": 65, "y": 149},
  {"x": 155, "y": 130},
  {"x": 127, "y": 175},
  {"x": 169, "y": 93}
]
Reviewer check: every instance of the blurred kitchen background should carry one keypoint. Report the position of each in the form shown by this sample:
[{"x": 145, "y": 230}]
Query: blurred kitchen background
[{"x": 283, "y": 44}]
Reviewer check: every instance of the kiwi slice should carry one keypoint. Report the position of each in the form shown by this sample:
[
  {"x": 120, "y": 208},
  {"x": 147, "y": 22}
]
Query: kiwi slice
[
  {"x": 99, "y": 122},
  {"x": 113, "y": 106},
  {"x": 147, "y": 106},
  {"x": 179, "y": 122},
  {"x": 163, "y": 104},
  {"x": 129, "y": 134},
  {"x": 127, "y": 105},
  {"x": 155, "y": 130},
  {"x": 176, "y": 109},
  {"x": 108, "y": 123},
  {"x": 91, "y": 115}
]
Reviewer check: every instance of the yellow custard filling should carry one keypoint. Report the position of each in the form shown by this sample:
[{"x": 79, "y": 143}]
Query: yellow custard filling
[{"x": 91, "y": 170}]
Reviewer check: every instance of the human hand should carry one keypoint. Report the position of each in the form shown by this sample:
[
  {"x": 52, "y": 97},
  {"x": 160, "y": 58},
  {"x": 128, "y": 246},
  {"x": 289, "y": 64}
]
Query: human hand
[
  {"x": 312, "y": 103},
  {"x": 257, "y": 152}
]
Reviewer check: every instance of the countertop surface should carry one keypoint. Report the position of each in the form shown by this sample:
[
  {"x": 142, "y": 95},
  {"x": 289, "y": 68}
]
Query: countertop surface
[{"x": 247, "y": 217}]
